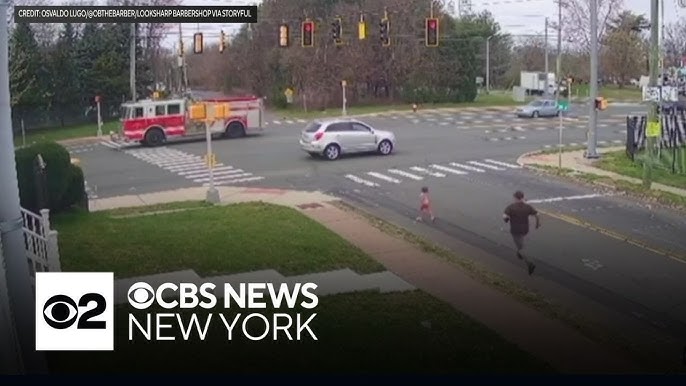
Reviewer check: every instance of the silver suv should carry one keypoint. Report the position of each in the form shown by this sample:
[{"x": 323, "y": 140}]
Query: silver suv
[{"x": 333, "y": 137}]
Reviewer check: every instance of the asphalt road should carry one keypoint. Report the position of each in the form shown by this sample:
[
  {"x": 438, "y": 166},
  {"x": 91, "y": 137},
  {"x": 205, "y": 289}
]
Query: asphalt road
[{"x": 468, "y": 162}]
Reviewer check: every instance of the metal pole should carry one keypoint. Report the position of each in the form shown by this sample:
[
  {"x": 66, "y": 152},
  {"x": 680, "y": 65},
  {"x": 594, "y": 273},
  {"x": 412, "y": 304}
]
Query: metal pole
[
  {"x": 591, "y": 151},
  {"x": 558, "y": 78},
  {"x": 345, "y": 112},
  {"x": 654, "y": 105},
  {"x": 488, "y": 64},
  {"x": 100, "y": 119},
  {"x": 212, "y": 192},
  {"x": 19, "y": 286},
  {"x": 547, "y": 71},
  {"x": 132, "y": 60},
  {"x": 23, "y": 133}
]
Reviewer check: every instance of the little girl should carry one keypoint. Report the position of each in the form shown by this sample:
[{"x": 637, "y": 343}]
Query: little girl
[{"x": 425, "y": 205}]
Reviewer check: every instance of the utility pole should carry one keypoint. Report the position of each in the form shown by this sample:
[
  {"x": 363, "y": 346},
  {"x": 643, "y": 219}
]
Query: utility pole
[
  {"x": 488, "y": 64},
  {"x": 181, "y": 60},
  {"x": 591, "y": 148},
  {"x": 132, "y": 59},
  {"x": 558, "y": 70},
  {"x": 547, "y": 71},
  {"x": 654, "y": 105},
  {"x": 13, "y": 255}
]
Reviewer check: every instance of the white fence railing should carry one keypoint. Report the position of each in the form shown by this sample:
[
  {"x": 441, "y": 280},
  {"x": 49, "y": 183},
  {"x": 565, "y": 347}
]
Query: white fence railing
[{"x": 40, "y": 241}]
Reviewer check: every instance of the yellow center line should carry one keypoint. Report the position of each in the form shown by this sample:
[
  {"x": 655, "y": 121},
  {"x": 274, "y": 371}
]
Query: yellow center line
[{"x": 615, "y": 235}]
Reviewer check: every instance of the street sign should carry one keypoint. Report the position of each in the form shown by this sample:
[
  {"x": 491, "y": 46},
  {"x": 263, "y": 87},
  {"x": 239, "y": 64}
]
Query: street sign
[
  {"x": 289, "y": 95},
  {"x": 660, "y": 93},
  {"x": 653, "y": 129},
  {"x": 563, "y": 105}
]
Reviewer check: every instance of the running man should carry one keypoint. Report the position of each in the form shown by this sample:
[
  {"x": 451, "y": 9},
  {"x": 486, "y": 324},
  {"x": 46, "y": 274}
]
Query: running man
[{"x": 517, "y": 214}]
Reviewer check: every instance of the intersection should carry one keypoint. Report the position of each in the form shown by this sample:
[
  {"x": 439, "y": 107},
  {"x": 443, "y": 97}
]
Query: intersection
[{"x": 581, "y": 252}]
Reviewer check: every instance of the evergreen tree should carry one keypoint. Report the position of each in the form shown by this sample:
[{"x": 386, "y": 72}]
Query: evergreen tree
[
  {"x": 66, "y": 88},
  {"x": 25, "y": 72}
]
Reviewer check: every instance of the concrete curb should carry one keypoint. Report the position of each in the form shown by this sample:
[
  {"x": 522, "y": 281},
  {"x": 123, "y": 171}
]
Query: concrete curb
[
  {"x": 81, "y": 141},
  {"x": 520, "y": 159}
]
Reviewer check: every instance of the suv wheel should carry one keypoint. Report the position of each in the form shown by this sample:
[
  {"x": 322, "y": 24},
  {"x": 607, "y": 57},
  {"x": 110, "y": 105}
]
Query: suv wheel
[{"x": 332, "y": 152}]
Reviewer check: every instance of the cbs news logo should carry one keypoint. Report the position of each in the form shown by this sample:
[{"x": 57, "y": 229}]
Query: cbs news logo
[{"x": 74, "y": 311}]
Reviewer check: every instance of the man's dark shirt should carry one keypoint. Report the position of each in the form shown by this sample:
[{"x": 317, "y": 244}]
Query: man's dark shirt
[{"x": 519, "y": 213}]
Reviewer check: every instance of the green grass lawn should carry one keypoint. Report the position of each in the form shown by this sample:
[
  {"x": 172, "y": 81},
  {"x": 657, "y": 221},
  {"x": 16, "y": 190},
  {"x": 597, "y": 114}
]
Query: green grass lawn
[
  {"x": 62, "y": 133},
  {"x": 358, "y": 332},
  {"x": 363, "y": 332},
  {"x": 495, "y": 98},
  {"x": 212, "y": 240},
  {"x": 619, "y": 163},
  {"x": 609, "y": 92}
]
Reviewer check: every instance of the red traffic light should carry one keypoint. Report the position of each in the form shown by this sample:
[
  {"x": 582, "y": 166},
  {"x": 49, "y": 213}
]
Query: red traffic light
[
  {"x": 432, "y": 24},
  {"x": 308, "y": 27}
]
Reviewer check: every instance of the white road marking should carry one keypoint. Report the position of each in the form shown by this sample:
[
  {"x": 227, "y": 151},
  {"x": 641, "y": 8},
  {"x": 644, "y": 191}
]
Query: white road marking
[
  {"x": 226, "y": 182},
  {"x": 508, "y": 138},
  {"x": 360, "y": 180},
  {"x": 521, "y": 137},
  {"x": 302, "y": 121},
  {"x": 178, "y": 162},
  {"x": 406, "y": 174},
  {"x": 384, "y": 177},
  {"x": 556, "y": 199},
  {"x": 518, "y": 128},
  {"x": 617, "y": 141},
  {"x": 217, "y": 168},
  {"x": 444, "y": 123},
  {"x": 216, "y": 173},
  {"x": 602, "y": 142},
  {"x": 573, "y": 144},
  {"x": 540, "y": 128},
  {"x": 290, "y": 122},
  {"x": 507, "y": 165},
  {"x": 592, "y": 264},
  {"x": 484, "y": 165},
  {"x": 190, "y": 168},
  {"x": 477, "y": 122},
  {"x": 449, "y": 170},
  {"x": 427, "y": 171},
  {"x": 219, "y": 178},
  {"x": 547, "y": 146},
  {"x": 277, "y": 122},
  {"x": 467, "y": 167}
]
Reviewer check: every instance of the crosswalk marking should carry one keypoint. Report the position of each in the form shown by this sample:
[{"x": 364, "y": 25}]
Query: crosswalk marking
[
  {"x": 447, "y": 169},
  {"x": 467, "y": 167},
  {"x": 216, "y": 169},
  {"x": 406, "y": 174},
  {"x": 215, "y": 174},
  {"x": 384, "y": 177},
  {"x": 360, "y": 180},
  {"x": 190, "y": 168},
  {"x": 238, "y": 181},
  {"x": 487, "y": 166},
  {"x": 427, "y": 171},
  {"x": 218, "y": 178},
  {"x": 507, "y": 165}
]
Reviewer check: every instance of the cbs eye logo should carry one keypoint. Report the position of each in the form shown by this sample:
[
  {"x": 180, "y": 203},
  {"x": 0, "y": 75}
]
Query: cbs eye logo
[
  {"x": 141, "y": 295},
  {"x": 61, "y": 312}
]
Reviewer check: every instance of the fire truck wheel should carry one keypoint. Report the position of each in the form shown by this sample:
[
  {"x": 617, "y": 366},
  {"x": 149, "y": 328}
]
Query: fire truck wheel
[
  {"x": 235, "y": 130},
  {"x": 154, "y": 137}
]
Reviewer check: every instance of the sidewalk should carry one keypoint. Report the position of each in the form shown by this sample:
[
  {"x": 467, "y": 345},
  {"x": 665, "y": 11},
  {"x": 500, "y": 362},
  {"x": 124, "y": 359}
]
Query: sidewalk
[
  {"x": 553, "y": 341},
  {"x": 575, "y": 160}
]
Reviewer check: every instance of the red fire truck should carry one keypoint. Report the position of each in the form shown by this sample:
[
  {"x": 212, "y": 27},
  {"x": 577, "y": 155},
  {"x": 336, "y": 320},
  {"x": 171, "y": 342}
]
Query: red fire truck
[{"x": 152, "y": 121}]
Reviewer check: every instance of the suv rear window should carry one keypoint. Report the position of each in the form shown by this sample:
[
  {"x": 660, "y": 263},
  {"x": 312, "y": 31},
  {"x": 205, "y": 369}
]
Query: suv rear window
[{"x": 312, "y": 127}]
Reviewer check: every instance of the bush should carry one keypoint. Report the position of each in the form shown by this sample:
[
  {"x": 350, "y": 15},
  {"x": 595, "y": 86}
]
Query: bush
[
  {"x": 61, "y": 175},
  {"x": 75, "y": 195}
]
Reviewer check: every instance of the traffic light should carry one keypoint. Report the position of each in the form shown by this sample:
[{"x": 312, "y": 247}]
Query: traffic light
[
  {"x": 197, "y": 43},
  {"x": 432, "y": 32},
  {"x": 222, "y": 41},
  {"x": 308, "y": 34},
  {"x": 384, "y": 31},
  {"x": 600, "y": 103},
  {"x": 337, "y": 31},
  {"x": 361, "y": 30},
  {"x": 283, "y": 36}
]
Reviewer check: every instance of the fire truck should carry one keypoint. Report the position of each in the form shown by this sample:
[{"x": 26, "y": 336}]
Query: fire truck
[{"x": 151, "y": 122}]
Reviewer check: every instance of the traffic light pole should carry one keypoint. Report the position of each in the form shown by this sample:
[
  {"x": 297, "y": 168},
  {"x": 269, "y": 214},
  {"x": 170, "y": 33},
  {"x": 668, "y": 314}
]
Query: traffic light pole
[
  {"x": 212, "y": 195},
  {"x": 558, "y": 70},
  {"x": 654, "y": 105},
  {"x": 13, "y": 255},
  {"x": 591, "y": 148}
]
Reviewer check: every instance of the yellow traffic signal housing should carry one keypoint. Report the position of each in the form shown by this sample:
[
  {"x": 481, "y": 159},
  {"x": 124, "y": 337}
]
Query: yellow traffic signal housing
[
  {"x": 198, "y": 112},
  {"x": 222, "y": 41},
  {"x": 361, "y": 30},
  {"x": 197, "y": 43},
  {"x": 283, "y": 36},
  {"x": 307, "y": 34},
  {"x": 601, "y": 103},
  {"x": 431, "y": 32}
]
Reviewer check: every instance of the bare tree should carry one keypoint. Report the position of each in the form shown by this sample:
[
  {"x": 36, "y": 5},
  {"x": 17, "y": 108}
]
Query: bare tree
[
  {"x": 675, "y": 42},
  {"x": 577, "y": 20}
]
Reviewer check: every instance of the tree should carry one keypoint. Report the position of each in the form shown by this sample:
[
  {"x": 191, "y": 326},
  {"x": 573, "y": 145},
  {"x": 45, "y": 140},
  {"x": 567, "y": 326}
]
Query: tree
[
  {"x": 26, "y": 72},
  {"x": 577, "y": 21},
  {"x": 675, "y": 43},
  {"x": 65, "y": 87},
  {"x": 625, "y": 50}
]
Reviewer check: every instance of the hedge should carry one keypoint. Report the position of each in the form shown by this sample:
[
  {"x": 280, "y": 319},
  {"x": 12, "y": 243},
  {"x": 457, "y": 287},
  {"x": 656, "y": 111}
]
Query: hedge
[{"x": 65, "y": 182}]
